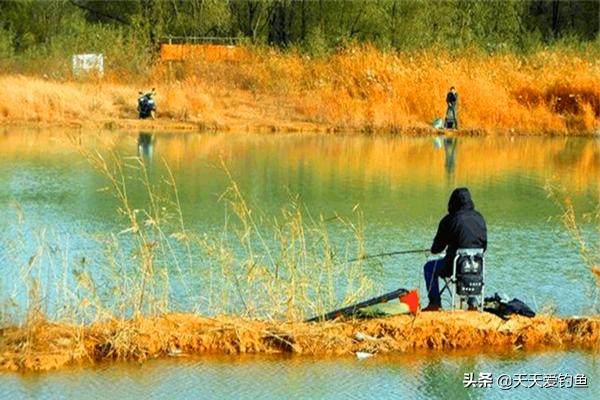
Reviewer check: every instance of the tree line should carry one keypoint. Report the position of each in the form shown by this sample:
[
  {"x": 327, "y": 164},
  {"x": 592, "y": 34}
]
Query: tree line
[{"x": 312, "y": 25}]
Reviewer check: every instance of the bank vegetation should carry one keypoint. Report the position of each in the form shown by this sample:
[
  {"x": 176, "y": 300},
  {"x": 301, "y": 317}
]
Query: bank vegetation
[
  {"x": 364, "y": 66},
  {"x": 359, "y": 89}
]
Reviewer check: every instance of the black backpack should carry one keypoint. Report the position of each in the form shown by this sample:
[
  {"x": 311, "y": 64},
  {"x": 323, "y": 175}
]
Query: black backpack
[{"x": 496, "y": 305}]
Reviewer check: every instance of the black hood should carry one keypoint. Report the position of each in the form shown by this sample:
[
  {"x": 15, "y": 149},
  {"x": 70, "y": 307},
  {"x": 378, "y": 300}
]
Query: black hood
[{"x": 460, "y": 199}]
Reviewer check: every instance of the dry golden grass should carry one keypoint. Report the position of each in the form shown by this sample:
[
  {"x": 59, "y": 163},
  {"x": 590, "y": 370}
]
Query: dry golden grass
[
  {"x": 360, "y": 89},
  {"x": 43, "y": 345}
]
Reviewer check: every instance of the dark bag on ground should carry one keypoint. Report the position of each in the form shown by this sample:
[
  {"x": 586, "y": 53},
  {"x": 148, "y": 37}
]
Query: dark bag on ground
[{"x": 496, "y": 305}]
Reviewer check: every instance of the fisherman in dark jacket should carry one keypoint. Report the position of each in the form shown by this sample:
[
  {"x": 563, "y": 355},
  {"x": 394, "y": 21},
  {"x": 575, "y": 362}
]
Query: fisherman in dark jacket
[
  {"x": 462, "y": 227},
  {"x": 451, "y": 116}
]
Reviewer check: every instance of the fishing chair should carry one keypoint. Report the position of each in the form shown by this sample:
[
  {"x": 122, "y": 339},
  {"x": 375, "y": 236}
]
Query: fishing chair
[{"x": 467, "y": 278}]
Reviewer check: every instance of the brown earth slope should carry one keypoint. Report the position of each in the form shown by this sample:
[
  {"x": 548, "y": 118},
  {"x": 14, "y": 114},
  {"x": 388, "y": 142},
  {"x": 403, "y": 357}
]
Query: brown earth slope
[{"x": 44, "y": 345}]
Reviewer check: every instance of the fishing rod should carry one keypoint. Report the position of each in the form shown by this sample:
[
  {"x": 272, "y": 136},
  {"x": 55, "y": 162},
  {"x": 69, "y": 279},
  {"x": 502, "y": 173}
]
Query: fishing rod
[{"x": 392, "y": 253}]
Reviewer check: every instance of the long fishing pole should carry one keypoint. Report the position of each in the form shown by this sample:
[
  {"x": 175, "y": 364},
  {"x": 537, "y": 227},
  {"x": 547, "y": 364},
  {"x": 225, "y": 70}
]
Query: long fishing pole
[{"x": 392, "y": 253}]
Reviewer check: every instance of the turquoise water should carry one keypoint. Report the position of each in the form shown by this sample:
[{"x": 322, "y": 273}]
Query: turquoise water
[{"x": 51, "y": 198}]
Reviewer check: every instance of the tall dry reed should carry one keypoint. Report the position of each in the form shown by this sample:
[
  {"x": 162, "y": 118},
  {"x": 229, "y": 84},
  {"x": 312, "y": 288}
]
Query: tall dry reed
[
  {"x": 584, "y": 231},
  {"x": 282, "y": 266}
]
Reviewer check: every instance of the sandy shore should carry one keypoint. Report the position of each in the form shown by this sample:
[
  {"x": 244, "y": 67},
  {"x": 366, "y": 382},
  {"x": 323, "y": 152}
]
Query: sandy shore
[{"x": 44, "y": 345}]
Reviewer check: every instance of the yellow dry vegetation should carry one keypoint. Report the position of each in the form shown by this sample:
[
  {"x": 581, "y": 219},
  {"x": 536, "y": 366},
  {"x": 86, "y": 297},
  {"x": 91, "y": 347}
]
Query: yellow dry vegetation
[
  {"x": 357, "y": 89},
  {"x": 43, "y": 345}
]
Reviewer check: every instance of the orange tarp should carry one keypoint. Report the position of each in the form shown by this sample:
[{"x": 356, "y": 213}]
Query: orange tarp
[{"x": 209, "y": 52}]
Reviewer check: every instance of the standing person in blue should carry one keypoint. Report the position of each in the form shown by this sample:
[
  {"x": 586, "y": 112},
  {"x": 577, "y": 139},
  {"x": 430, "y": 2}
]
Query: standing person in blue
[
  {"x": 462, "y": 227},
  {"x": 451, "y": 101}
]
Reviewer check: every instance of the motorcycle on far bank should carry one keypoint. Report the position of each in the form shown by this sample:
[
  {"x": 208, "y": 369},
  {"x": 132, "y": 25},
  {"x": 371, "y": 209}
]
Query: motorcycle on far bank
[{"x": 146, "y": 105}]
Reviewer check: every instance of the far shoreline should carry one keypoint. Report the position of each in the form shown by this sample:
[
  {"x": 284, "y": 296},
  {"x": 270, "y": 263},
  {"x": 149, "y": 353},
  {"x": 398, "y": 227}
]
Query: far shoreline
[
  {"x": 541, "y": 94},
  {"x": 159, "y": 126}
]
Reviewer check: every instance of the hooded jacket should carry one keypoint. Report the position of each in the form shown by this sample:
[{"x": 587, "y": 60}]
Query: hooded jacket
[{"x": 462, "y": 227}]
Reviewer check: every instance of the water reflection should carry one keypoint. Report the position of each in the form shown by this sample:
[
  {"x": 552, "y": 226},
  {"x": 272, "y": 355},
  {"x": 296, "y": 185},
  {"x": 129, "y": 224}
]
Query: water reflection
[
  {"x": 412, "y": 376},
  {"x": 450, "y": 152},
  {"x": 449, "y": 145},
  {"x": 146, "y": 142},
  {"x": 576, "y": 159}
]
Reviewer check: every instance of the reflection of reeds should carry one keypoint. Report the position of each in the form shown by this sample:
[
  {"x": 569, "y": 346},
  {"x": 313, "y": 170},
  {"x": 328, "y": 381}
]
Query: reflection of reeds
[
  {"x": 576, "y": 160},
  {"x": 360, "y": 88}
]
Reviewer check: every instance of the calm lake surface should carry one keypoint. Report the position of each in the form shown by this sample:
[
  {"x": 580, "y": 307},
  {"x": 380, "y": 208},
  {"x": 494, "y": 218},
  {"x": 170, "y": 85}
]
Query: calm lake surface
[
  {"x": 50, "y": 193},
  {"x": 260, "y": 377}
]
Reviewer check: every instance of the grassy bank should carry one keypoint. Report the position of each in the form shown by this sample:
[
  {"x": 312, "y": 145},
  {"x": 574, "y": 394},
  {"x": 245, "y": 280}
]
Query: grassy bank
[
  {"x": 552, "y": 91},
  {"x": 44, "y": 345}
]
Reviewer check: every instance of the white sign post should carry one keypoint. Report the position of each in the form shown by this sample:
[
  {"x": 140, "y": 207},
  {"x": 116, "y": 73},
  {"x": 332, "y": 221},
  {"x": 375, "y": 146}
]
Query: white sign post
[{"x": 86, "y": 64}]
